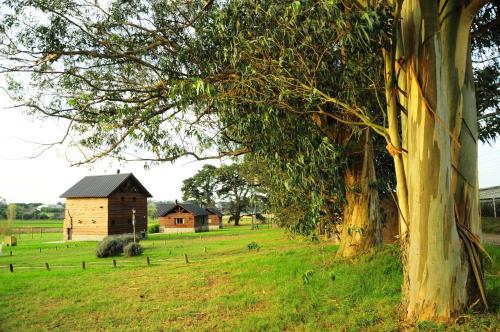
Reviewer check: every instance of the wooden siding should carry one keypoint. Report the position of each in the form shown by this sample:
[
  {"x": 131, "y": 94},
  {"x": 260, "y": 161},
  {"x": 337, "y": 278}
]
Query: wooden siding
[
  {"x": 120, "y": 207},
  {"x": 214, "y": 220},
  {"x": 168, "y": 221},
  {"x": 94, "y": 218},
  {"x": 199, "y": 223},
  {"x": 86, "y": 216}
]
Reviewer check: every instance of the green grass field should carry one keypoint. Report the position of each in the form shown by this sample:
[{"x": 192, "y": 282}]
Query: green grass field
[
  {"x": 289, "y": 284},
  {"x": 33, "y": 223}
]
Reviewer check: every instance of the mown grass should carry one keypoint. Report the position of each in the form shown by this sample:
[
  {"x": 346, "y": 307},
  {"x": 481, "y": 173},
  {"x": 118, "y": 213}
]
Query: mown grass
[{"x": 289, "y": 284}]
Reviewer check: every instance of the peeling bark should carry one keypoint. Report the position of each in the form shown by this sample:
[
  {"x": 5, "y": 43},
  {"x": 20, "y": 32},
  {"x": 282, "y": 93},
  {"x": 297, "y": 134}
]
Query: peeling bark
[
  {"x": 362, "y": 222},
  {"x": 441, "y": 166}
]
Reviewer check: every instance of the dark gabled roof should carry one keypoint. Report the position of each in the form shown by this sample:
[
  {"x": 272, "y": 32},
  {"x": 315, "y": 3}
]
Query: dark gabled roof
[
  {"x": 101, "y": 186},
  {"x": 192, "y": 208},
  {"x": 162, "y": 209},
  {"x": 212, "y": 210}
]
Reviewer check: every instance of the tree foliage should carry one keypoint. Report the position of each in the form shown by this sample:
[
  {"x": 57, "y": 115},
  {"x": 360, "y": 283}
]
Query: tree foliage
[{"x": 201, "y": 187}]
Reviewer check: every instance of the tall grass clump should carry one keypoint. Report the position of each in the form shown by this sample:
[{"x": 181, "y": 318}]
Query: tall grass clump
[
  {"x": 113, "y": 245},
  {"x": 133, "y": 249}
]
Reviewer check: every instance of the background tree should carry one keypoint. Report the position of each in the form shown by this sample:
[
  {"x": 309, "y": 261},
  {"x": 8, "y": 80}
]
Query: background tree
[
  {"x": 11, "y": 212},
  {"x": 152, "y": 209},
  {"x": 233, "y": 187},
  {"x": 201, "y": 187}
]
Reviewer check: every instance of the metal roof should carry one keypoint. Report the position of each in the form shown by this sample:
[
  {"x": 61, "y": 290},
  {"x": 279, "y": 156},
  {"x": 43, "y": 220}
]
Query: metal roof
[
  {"x": 101, "y": 186},
  {"x": 490, "y": 192},
  {"x": 193, "y": 208},
  {"x": 213, "y": 210}
]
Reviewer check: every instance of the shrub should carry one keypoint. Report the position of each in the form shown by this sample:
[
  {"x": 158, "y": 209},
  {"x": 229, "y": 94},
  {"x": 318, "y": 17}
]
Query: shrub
[
  {"x": 133, "y": 249},
  {"x": 155, "y": 228},
  {"x": 108, "y": 247},
  {"x": 113, "y": 245}
]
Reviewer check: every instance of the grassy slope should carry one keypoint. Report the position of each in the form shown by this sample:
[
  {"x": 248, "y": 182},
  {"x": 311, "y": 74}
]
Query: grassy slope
[{"x": 226, "y": 288}]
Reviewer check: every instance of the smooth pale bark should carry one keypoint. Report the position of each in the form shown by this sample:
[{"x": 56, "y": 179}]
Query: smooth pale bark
[
  {"x": 361, "y": 223},
  {"x": 441, "y": 170}
]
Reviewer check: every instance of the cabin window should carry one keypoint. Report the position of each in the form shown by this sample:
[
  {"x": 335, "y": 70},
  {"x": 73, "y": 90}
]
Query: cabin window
[{"x": 179, "y": 221}]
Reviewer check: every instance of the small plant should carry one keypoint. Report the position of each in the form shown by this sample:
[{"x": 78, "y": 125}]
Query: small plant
[
  {"x": 133, "y": 249},
  {"x": 253, "y": 246},
  {"x": 307, "y": 276},
  {"x": 155, "y": 228}
]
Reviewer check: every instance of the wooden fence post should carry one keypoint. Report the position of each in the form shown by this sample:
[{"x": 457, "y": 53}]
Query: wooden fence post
[
  {"x": 204, "y": 250},
  {"x": 11, "y": 268},
  {"x": 40, "y": 250},
  {"x": 186, "y": 257},
  {"x": 147, "y": 259},
  {"x": 47, "y": 266},
  {"x": 114, "y": 262},
  {"x": 11, "y": 252},
  {"x": 83, "y": 265},
  {"x": 31, "y": 232}
]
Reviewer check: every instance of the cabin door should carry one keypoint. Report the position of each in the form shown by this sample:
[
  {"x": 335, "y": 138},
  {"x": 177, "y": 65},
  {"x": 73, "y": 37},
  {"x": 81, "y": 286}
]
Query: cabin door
[{"x": 70, "y": 233}]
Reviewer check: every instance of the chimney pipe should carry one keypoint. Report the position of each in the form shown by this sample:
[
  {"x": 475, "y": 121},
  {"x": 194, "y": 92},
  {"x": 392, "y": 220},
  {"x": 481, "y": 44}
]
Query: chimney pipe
[{"x": 117, "y": 171}]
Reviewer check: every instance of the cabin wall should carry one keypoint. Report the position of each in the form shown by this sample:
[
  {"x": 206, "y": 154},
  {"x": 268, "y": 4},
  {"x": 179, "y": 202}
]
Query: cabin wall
[
  {"x": 191, "y": 223},
  {"x": 120, "y": 213},
  {"x": 214, "y": 221},
  {"x": 167, "y": 223},
  {"x": 86, "y": 219}
]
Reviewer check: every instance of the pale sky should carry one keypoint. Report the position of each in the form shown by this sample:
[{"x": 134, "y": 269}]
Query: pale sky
[{"x": 44, "y": 178}]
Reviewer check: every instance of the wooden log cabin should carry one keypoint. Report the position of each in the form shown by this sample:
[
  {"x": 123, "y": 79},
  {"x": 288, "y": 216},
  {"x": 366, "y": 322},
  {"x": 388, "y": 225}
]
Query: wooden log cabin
[
  {"x": 214, "y": 218},
  {"x": 182, "y": 218},
  {"x": 98, "y": 206}
]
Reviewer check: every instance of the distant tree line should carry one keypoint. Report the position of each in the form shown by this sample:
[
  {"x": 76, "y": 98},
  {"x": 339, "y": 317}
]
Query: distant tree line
[{"x": 31, "y": 211}]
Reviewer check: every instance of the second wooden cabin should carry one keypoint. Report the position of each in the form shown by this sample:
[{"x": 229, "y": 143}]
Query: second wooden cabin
[{"x": 182, "y": 218}]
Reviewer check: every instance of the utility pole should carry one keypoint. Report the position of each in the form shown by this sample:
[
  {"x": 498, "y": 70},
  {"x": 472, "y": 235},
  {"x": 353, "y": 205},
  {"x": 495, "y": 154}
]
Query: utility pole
[{"x": 133, "y": 222}]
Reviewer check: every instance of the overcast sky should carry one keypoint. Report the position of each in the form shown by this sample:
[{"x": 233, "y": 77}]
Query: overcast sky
[{"x": 44, "y": 178}]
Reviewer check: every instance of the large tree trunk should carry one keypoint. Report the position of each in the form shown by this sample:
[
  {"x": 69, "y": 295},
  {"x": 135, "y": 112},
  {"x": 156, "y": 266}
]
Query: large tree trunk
[
  {"x": 440, "y": 170},
  {"x": 361, "y": 224}
]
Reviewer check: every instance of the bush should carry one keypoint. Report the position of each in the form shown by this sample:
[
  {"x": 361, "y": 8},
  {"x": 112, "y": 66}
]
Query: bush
[
  {"x": 133, "y": 249},
  {"x": 155, "y": 228},
  {"x": 108, "y": 247},
  {"x": 113, "y": 245}
]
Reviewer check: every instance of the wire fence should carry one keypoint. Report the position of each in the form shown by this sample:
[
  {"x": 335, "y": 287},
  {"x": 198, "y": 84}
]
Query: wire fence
[{"x": 115, "y": 263}]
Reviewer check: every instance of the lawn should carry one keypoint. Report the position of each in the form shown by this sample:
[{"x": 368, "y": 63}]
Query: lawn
[{"x": 289, "y": 284}]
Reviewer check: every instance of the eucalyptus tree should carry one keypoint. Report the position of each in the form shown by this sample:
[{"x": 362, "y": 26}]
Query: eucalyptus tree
[
  {"x": 119, "y": 72},
  {"x": 430, "y": 118},
  {"x": 275, "y": 58}
]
